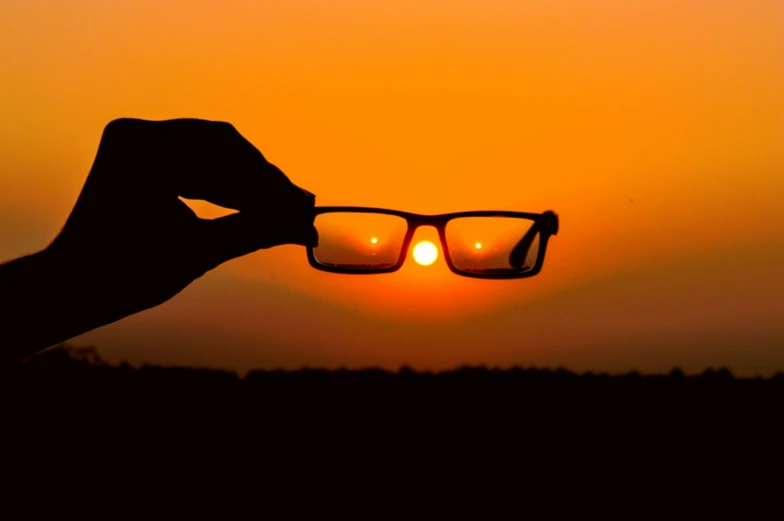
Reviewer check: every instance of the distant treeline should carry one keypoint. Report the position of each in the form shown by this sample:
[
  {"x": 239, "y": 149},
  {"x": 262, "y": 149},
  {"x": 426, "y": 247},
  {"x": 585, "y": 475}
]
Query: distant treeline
[
  {"x": 62, "y": 359},
  {"x": 66, "y": 406},
  {"x": 70, "y": 372}
]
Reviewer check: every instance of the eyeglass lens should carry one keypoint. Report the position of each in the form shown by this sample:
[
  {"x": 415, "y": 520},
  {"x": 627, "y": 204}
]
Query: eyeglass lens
[
  {"x": 359, "y": 241},
  {"x": 492, "y": 245}
]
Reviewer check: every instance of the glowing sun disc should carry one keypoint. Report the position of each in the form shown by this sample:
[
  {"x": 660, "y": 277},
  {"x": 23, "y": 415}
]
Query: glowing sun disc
[{"x": 425, "y": 253}]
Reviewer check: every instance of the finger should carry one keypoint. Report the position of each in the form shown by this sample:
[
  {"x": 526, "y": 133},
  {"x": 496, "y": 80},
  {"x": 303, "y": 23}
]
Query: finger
[
  {"x": 213, "y": 161},
  {"x": 241, "y": 233},
  {"x": 197, "y": 159}
]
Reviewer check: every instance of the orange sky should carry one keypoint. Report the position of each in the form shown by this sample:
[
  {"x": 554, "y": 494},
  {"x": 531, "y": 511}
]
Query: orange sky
[{"x": 654, "y": 130}]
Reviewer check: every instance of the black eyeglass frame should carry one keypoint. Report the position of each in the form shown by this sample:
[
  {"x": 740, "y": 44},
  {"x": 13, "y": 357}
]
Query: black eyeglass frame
[{"x": 546, "y": 224}]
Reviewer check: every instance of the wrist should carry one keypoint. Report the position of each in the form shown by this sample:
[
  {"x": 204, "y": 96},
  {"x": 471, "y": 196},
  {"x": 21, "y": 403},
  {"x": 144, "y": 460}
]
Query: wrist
[{"x": 41, "y": 306}]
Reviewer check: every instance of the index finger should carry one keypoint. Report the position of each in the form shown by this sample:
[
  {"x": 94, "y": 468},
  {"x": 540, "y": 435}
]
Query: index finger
[{"x": 210, "y": 160}]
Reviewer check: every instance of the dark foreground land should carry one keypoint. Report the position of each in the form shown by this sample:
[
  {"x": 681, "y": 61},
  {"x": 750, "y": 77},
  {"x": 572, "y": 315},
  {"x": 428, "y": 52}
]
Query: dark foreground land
[
  {"x": 65, "y": 404},
  {"x": 72, "y": 384}
]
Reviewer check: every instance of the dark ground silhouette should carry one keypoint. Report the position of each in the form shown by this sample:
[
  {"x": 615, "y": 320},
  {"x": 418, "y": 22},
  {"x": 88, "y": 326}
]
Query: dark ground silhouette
[
  {"x": 75, "y": 382},
  {"x": 68, "y": 412}
]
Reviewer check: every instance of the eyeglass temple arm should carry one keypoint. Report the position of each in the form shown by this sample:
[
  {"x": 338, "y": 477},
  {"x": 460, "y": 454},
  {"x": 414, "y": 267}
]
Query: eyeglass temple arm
[{"x": 548, "y": 225}]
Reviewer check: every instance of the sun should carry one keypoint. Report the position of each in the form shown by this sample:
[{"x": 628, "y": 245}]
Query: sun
[{"x": 425, "y": 253}]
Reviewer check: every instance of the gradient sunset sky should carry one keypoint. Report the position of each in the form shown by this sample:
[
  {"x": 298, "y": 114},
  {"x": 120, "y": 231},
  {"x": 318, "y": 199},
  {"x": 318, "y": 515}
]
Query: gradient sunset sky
[{"x": 655, "y": 129}]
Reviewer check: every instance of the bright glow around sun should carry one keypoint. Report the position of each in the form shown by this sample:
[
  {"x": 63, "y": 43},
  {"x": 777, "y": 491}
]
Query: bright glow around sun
[
  {"x": 425, "y": 253},
  {"x": 479, "y": 246},
  {"x": 374, "y": 240}
]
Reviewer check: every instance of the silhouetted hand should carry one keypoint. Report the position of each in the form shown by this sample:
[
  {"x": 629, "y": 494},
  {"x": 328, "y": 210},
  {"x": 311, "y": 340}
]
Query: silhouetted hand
[{"x": 131, "y": 244}]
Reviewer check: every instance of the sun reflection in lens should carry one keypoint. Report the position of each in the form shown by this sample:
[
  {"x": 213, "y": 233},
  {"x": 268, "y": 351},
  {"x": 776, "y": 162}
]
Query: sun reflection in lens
[{"x": 425, "y": 253}]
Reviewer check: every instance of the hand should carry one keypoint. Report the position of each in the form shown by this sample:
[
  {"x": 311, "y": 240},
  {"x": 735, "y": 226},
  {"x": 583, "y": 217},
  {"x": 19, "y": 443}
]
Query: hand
[{"x": 131, "y": 244}]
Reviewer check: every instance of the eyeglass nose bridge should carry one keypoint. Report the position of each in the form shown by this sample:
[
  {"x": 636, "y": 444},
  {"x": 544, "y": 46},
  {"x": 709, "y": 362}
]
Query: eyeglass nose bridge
[
  {"x": 417, "y": 222},
  {"x": 436, "y": 221}
]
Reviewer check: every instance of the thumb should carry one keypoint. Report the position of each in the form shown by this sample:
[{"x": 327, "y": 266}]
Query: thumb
[{"x": 241, "y": 233}]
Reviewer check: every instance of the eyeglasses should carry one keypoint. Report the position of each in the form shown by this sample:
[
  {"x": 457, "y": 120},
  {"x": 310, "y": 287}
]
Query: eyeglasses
[{"x": 483, "y": 244}]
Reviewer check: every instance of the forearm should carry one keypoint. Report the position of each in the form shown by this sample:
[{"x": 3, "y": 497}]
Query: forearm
[{"x": 40, "y": 305}]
